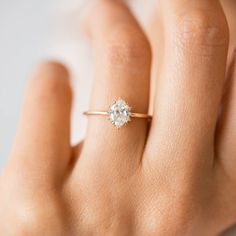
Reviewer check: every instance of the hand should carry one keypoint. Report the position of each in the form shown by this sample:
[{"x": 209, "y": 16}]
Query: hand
[{"x": 176, "y": 178}]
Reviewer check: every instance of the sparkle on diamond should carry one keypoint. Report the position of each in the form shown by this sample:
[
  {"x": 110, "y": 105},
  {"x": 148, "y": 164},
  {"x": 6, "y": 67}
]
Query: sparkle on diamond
[{"x": 119, "y": 113}]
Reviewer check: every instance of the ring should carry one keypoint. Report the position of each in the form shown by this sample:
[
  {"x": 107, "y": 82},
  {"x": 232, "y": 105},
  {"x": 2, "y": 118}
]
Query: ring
[{"x": 119, "y": 113}]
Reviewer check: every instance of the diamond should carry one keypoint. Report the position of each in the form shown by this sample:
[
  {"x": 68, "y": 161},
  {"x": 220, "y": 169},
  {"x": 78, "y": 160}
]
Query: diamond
[{"x": 119, "y": 113}]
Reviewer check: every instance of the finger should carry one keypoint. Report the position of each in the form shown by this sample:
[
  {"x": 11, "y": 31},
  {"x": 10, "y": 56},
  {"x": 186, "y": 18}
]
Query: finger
[
  {"x": 122, "y": 58},
  {"x": 226, "y": 136},
  {"x": 42, "y": 142},
  {"x": 190, "y": 81}
]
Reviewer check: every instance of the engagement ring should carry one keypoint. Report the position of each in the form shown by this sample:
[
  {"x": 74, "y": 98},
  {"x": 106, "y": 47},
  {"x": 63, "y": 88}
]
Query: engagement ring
[{"x": 119, "y": 113}]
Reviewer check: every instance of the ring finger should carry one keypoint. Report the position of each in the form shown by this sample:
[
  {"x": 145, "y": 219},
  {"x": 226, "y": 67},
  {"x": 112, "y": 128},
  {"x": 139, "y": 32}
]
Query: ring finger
[{"x": 122, "y": 67}]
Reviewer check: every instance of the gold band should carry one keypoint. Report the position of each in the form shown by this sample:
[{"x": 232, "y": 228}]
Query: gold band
[
  {"x": 119, "y": 113},
  {"x": 104, "y": 113}
]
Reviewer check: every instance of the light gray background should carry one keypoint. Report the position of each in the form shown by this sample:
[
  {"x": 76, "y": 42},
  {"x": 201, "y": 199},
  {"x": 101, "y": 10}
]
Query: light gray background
[
  {"x": 24, "y": 28},
  {"x": 29, "y": 33}
]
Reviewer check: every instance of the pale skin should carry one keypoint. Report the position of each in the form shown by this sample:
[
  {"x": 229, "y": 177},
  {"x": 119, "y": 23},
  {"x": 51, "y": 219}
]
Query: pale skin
[{"x": 174, "y": 177}]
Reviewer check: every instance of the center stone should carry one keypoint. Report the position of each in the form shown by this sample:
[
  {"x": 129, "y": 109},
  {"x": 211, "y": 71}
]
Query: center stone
[{"x": 119, "y": 113}]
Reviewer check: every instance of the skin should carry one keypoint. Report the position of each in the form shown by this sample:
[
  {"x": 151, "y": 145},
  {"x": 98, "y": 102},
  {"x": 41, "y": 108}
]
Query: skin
[{"x": 175, "y": 176}]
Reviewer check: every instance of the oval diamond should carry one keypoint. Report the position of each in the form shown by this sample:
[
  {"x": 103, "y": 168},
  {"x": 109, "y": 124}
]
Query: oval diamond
[{"x": 119, "y": 113}]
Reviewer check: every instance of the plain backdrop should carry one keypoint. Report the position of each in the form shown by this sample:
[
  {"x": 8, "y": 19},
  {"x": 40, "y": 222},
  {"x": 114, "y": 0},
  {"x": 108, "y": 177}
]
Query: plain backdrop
[
  {"x": 31, "y": 31},
  {"x": 24, "y": 28}
]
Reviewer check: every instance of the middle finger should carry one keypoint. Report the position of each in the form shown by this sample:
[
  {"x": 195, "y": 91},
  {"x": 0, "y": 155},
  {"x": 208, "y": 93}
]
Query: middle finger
[{"x": 190, "y": 83}]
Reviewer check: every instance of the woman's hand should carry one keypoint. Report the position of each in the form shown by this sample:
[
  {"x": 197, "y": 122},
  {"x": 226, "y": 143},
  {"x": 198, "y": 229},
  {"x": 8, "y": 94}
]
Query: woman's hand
[{"x": 176, "y": 178}]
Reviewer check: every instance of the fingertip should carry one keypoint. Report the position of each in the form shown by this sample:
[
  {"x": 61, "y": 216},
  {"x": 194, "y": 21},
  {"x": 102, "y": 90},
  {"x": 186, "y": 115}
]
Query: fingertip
[
  {"x": 49, "y": 83},
  {"x": 51, "y": 69}
]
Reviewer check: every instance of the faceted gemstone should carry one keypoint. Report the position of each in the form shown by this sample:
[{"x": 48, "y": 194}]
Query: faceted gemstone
[{"x": 119, "y": 113}]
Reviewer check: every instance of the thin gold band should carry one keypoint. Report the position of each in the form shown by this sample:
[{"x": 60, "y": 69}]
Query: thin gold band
[{"x": 104, "y": 113}]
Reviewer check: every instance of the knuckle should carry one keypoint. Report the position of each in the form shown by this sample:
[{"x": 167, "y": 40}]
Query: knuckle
[
  {"x": 179, "y": 214},
  {"x": 36, "y": 217},
  {"x": 203, "y": 29},
  {"x": 126, "y": 48},
  {"x": 155, "y": 224}
]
